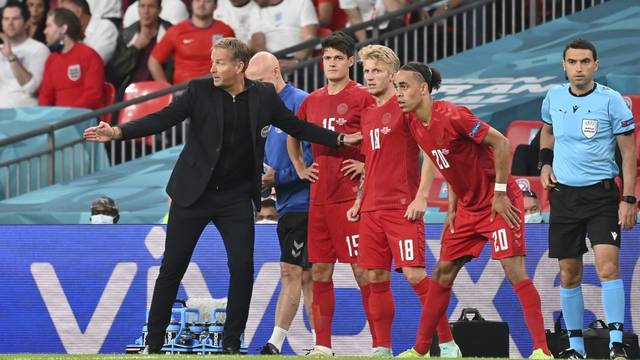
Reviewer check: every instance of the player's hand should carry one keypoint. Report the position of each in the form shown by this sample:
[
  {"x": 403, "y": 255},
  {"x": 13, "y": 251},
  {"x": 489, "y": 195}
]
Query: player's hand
[
  {"x": 353, "y": 214},
  {"x": 449, "y": 221},
  {"x": 547, "y": 177},
  {"x": 503, "y": 206},
  {"x": 353, "y": 168},
  {"x": 268, "y": 178},
  {"x": 627, "y": 215},
  {"x": 101, "y": 133},
  {"x": 353, "y": 139},
  {"x": 309, "y": 173},
  {"x": 416, "y": 209}
]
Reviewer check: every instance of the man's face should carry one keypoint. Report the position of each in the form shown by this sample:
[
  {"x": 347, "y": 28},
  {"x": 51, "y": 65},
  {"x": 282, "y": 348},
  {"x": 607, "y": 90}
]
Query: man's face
[
  {"x": 224, "y": 70},
  {"x": 53, "y": 32},
  {"x": 531, "y": 205},
  {"x": 36, "y": 9},
  {"x": 77, "y": 10},
  {"x": 579, "y": 66},
  {"x": 336, "y": 64},
  {"x": 12, "y": 22},
  {"x": 203, "y": 8},
  {"x": 410, "y": 90},
  {"x": 267, "y": 213},
  {"x": 378, "y": 76},
  {"x": 149, "y": 12}
]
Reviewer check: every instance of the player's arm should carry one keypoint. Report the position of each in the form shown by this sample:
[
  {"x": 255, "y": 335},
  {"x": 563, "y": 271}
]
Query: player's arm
[
  {"x": 547, "y": 140},
  {"x": 418, "y": 206},
  {"x": 627, "y": 212},
  {"x": 451, "y": 211},
  {"x": 296, "y": 155},
  {"x": 501, "y": 203}
]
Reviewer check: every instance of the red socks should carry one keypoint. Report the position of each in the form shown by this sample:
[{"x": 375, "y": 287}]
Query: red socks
[
  {"x": 322, "y": 308},
  {"x": 433, "y": 310},
  {"x": 381, "y": 313},
  {"x": 444, "y": 330},
  {"x": 531, "y": 308}
]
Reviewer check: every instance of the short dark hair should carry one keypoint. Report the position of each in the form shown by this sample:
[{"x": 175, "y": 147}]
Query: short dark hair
[
  {"x": 238, "y": 49},
  {"x": 268, "y": 202},
  {"x": 529, "y": 193},
  {"x": 104, "y": 205},
  {"x": 340, "y": 41},
  {"x": 83, "y": 4},
  {"x": 24, "y": 9},
  {"x": 580, "y": 43},
  {"x": 425, "y": 73},
  {"x": 62, "y": 16}
]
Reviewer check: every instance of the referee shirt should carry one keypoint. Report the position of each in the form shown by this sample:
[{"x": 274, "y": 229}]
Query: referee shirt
[{"x": 585, "y": 129}]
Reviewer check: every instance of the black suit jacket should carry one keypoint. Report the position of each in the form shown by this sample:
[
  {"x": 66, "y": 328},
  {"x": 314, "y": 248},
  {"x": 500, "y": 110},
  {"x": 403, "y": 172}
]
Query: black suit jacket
[{"x": 202, "y": 102}]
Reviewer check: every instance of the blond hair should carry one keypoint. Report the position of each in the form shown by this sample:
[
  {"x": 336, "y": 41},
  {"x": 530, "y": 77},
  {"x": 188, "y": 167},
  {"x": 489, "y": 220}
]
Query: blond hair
[
  {"x": 380, "y": 53},
  {"x": 239, "y": 50}
]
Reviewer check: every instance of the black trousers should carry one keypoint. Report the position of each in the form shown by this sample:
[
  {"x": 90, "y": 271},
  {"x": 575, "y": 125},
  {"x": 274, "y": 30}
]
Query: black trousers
[{"x": 232, "y": 213}]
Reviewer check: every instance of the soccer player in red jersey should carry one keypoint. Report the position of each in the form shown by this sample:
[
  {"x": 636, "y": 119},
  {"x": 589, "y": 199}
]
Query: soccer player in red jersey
[
  {"x": 485, "y": 203},
  {"x": 390, "y": 204},
  {"x": 330, "y": 237}
]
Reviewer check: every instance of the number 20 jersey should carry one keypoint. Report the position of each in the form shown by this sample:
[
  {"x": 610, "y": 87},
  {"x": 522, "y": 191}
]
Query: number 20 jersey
[{"x": 339, "y": 112}]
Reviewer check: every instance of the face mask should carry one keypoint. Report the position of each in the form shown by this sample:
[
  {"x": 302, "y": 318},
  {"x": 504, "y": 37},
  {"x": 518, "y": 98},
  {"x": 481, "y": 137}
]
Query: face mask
[
  {"x": 101, "y": 219},
  {"x": 534, "y": 218},
  {"x": 57, "y": 46},
  {"x": 266, "y": 221}
]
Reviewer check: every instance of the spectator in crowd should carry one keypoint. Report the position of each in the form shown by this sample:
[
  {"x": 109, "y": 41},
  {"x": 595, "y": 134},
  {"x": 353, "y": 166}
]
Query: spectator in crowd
[
  {"x": 135, "y": 44},
  {"x": 267, "y": 213},
  {"x": 279, "y": 24},
  {"x": 38, "y": 19},
  {"x": 21, "y": 58},
  {"x": 525, "y": 158},
  {"x": 190, "y": 43},
  {"x": 359, "y": 11},
  {"x": 236, "y": 13},
  {"x": 99, "y": 34},
  {"x": 74, "y": 72},
  {"x": 531, "y": 207},
  {"x": 174, "y": 11},
  {"x": 330, "y": 15},
  {"x": 104, "y": 210},
  {"x": 107, "y": 9}
]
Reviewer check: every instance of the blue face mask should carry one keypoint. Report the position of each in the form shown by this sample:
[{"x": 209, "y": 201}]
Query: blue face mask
[{"x": 534, "y": 218}]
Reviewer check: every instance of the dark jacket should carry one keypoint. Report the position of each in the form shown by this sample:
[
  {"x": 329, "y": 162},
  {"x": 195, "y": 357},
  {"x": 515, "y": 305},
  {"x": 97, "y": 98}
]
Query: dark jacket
[
  {"x": 202, "y": 102},
  {"x": 126, "y": 58}
]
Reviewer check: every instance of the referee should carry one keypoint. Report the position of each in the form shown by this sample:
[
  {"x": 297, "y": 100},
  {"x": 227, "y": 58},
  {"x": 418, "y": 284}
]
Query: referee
[{"x": 583, "y": 122}]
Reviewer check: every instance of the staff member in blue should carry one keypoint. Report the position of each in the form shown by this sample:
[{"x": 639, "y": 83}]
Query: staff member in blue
[
  {"x": 292, "y": 204},
  {"x": 583, "y": 121}
]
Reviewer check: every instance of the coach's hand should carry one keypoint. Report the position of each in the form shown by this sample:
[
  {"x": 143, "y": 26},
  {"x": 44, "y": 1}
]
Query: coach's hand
[
  {"x": 547, "y": 177},
  {"x": 503, "y": 206},
  {"x": 268, "y": 178},
  {"x": 353, "y": 214},
  {"x": 627, "y": 215},
  {"x": 101, "y": 133},
  {"x": 416, "y": 209},
  {"x": 352, "y": 139},
  {"x": 352, "y": 168}
]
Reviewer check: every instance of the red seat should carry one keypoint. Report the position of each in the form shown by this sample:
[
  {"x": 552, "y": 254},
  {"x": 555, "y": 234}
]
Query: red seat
[
  {"x": 108, "y": 98},
  {"x": 134, "y": 112},
  {"x": 522, "y": 132},
  {"x": 532, "y": 183},
  {"x": 438, "y": 194}
]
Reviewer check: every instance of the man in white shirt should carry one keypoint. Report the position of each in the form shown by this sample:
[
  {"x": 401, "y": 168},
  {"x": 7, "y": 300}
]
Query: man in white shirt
[
  {"x": 99, "y": 34},
  {"x": 174, "y": 11},
  {"x": 237, "y": 14},
  {"x": 359, "y": 11},
  {"x": 106, "y": 9},
  {"x": 279, "y": 24},
  {"x": 22, "y": 59}
]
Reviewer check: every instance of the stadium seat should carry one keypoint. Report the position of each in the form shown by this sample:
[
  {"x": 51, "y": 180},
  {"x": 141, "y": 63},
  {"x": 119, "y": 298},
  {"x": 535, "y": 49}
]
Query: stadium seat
[
  {"x": 522, "y": 132},
  {"x": 134, "y": 112},
  {"x": 109, "y": 98},
  {"x": 438, "y": 194},
  {"x": 532, "y": 183}
]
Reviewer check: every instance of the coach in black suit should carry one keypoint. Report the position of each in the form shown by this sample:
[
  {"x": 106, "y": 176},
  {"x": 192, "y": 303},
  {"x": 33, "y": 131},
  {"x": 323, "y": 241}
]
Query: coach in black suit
[{"x": 217, "y": 177}]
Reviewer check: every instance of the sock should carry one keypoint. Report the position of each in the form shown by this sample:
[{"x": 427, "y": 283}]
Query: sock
[
  {"x": 613, "y": 304},
  {"x": 573, "y": 313},
  {"x": 444, "y": 330},
  {"x": 381, "y": 311},
  {"x": 365, "y": 292},
  {"x": 277, "y": 337},
  {"x": 532, "y": 311},
  {"x": 432, "y": 311},
  {"x": 323, "y": 307}
]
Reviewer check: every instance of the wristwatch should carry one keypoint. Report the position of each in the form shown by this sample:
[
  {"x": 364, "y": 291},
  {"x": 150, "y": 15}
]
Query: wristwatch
[{"x": 629, "y": 199}]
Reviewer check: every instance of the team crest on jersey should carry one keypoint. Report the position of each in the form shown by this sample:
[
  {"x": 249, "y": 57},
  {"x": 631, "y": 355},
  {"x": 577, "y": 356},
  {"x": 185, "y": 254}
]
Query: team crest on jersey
[
  {"x": 589, "y": 128},
  {"x": 342, "y": 108},
  {"x": 386, "y": 119},
  {"x": 341, "y": 121},
  {"x": 385, "y": 130},
  {"x": 265, "y": 131},
  {"x": 73, "y": 72},
  {"x": 215, "y": 38}
]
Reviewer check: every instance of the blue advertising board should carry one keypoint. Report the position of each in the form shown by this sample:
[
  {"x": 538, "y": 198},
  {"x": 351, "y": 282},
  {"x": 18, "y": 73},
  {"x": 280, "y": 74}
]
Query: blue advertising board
[{"x": 85, "y": 289}]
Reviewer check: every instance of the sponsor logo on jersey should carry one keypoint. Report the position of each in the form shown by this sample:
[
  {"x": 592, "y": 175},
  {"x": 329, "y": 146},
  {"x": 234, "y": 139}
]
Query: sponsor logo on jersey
[
  {"x": 475, "y": 129},
  {"x": 74, "y": 73},
  {"x": 341, "y": 121},
  {"x": 589, "y": 128},
  {"x": 385, "y": 130}
]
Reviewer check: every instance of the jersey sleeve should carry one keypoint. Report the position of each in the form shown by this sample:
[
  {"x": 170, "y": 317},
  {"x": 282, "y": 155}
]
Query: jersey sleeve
[
  {"x": 468, "y": 125},
  {"x": 163, "y": 50},
  {"x": 544, "y": 111},
  {"x": 620, "y": 115}
]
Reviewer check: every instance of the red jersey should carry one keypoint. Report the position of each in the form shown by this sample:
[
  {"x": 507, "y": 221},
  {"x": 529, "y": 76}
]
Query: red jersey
[
  {"x": 73, "y": 79},
  {"x": 453, "y": 140},
  {"x": 338, "y": 17},
  {"x": 340, "y": 112},
  {"x": 191, "y": 48},
  {"x": 392, "y": 172}
]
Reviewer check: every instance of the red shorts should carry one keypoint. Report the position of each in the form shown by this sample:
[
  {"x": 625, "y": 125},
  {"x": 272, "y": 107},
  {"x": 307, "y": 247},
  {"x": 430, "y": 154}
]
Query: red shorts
[
  {"x": 473, "y": 229},
  {"x": 330, "y": 236},
  {"x": 387, "y": 235}
]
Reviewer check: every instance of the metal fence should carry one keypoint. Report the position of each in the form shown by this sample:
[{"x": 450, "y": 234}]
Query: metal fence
[{"x": 432, "y": 34}]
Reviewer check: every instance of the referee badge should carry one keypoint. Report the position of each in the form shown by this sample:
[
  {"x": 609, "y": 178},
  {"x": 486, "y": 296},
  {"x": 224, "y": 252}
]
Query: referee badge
[{"x": 589, "y": 128}]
